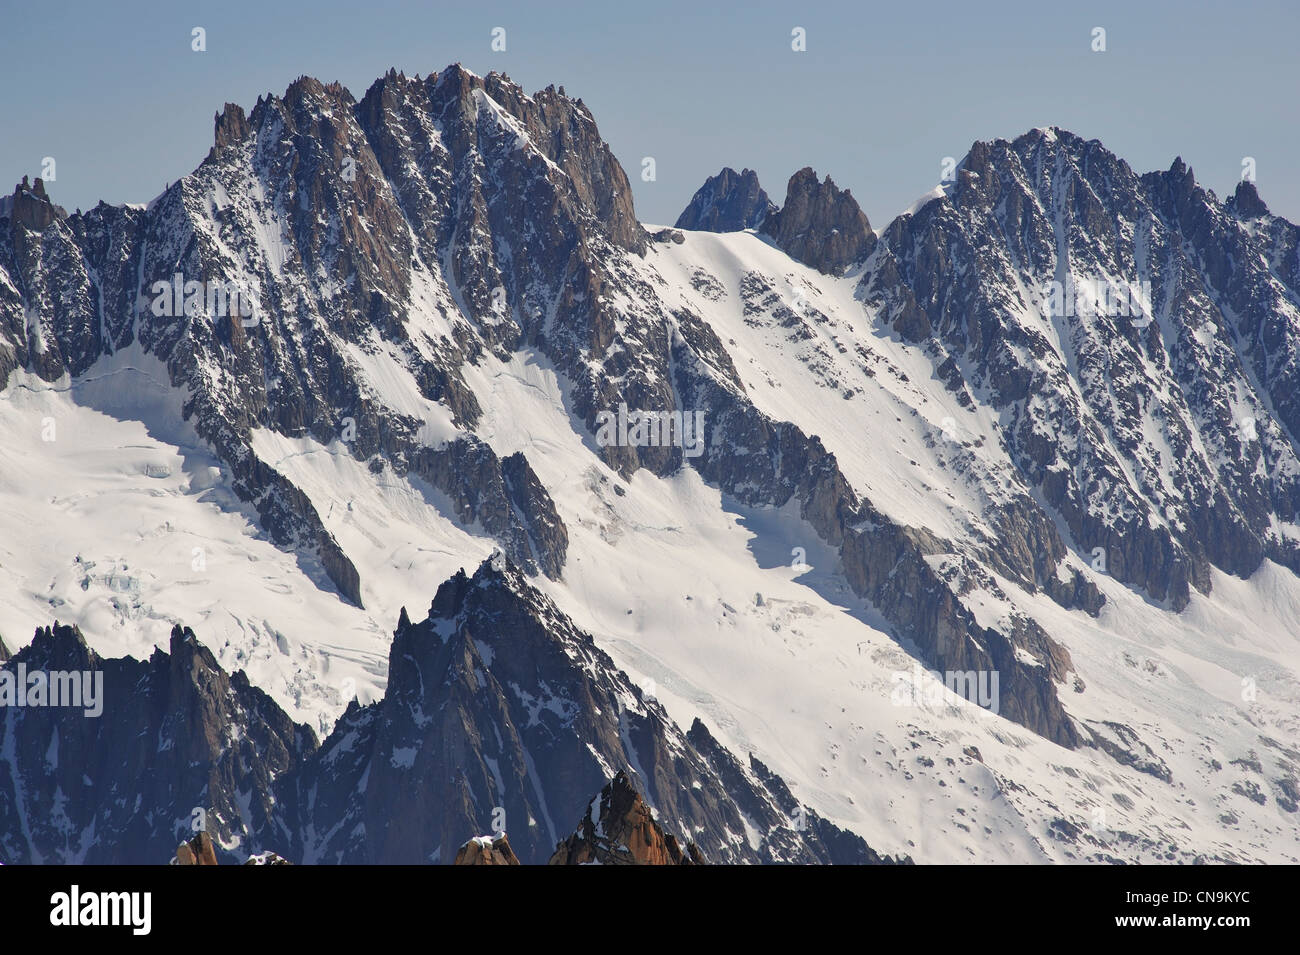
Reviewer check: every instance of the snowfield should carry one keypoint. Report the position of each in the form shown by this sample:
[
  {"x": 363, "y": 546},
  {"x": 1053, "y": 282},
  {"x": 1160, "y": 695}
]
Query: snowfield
[{"x": 115, "y": 518}]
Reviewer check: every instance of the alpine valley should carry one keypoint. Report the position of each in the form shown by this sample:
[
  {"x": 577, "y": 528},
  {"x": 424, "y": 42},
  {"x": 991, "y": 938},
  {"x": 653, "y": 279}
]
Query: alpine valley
[{"x": 332, "y": 463}]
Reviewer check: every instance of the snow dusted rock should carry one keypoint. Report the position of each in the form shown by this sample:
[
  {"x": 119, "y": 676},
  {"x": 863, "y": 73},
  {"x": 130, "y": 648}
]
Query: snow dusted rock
[
  {"x": 293, "y": 206},
  {"x": 728, "y": 202},
  {"x": 1135, "y": 416},
  {"x": 175, "y": 743},
  {"x": 267, "y": 858},
  {"x": 487, "y": 850},
  {"x": 200, "y": 851}
]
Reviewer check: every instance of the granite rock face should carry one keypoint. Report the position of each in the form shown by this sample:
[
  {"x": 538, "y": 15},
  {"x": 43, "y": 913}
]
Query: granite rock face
[
  {"x": 177, "y": 746},
  {"x": 620, "y": 829},
  {"x": 198, "y": 851},
  {"x": 728, "y": 202},
  {"x": 485, "y": 850},
  {"x": 1175, "y": 316},
  {"x": 820, "y": 224}
]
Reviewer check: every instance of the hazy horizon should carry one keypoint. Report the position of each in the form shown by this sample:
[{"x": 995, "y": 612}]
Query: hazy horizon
[{"x": 875, "y": 101}]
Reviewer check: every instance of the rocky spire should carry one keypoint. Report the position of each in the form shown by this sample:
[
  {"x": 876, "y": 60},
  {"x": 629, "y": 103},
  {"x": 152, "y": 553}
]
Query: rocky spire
[
  {"x": 229, "y": 126},
  {"x": 820, "y": 224},
  {"x": 1245, "y": 203},
  {"x": 728, "y": 202},
  {"x": 32, "y": 207},
  {"x": 619, "y": 829}
]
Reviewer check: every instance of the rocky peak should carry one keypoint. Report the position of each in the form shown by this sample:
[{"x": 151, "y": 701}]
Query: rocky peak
[
  {"x": 487, "y": 850},
  {"x": 32, "y": 208},
  {"x": 1245, "y": 203},
  {"x": 820, "y": 224},
  {"x": 619, "y": 829},
  {"x": 186, "y": 742},
  {"x": 59, "y": 647},
  {"x": 1177, "y": 186},
  {"x": 230, "y": 126},
  {"x": 728, "y": 202},
  {"x": 198, "y": 851}
]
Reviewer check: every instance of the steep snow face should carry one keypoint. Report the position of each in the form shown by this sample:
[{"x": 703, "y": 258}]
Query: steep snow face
[
  {"x": 910, "y": 465},
  {"x": 117, "y": 518}
]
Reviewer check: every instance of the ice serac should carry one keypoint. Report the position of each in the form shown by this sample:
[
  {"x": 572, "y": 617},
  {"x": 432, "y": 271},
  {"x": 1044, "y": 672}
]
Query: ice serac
[
  {"x": 500, "y": 712},
  {"x": 820, "y": 224},
  {"x": 178, "y": 745},
  {"x": 728, "y": 202}
]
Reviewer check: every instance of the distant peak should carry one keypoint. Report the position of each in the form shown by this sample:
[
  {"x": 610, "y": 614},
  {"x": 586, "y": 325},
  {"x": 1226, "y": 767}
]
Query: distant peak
[
  {"x": 728, "y": 202},
  {"x": 820, "y": 224},
  {"x": 31, "y": 207}
]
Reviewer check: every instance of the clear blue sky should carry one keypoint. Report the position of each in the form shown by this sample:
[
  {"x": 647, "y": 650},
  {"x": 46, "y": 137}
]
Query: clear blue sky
[{"x": 115, "y": 94}]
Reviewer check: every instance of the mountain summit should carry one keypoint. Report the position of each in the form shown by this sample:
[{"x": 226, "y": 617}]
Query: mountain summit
[{"x": 936, "y": 522}]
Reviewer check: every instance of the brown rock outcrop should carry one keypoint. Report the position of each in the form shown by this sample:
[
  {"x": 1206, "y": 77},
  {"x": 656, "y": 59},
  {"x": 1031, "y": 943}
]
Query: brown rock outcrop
[
  {"x": 198, "y": 851},
  {"x": 623, "y": 832},
  {"x": 820, "y": 224},
  {"x": 484, "y": 850}
]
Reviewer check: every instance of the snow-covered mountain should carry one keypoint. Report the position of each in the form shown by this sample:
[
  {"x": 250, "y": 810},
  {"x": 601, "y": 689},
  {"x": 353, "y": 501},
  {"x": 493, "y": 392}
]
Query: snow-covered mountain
[
  {"x": 498, "y": 712},
  {"x": 1038, "y": 434}
]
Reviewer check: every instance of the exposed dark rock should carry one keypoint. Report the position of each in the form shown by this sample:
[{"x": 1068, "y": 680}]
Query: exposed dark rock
[
  {"x": 178, "y": 744},
  {"x": 820, "y": 225},
  {"x": 1246, "y": 203},
  {"x": 1019, "y": 215},
  {"x": 727, "y": 202}
]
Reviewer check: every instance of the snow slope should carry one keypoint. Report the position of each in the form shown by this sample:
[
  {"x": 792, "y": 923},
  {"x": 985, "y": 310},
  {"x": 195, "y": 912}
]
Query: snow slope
[{"x": 701, "y": 600}]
